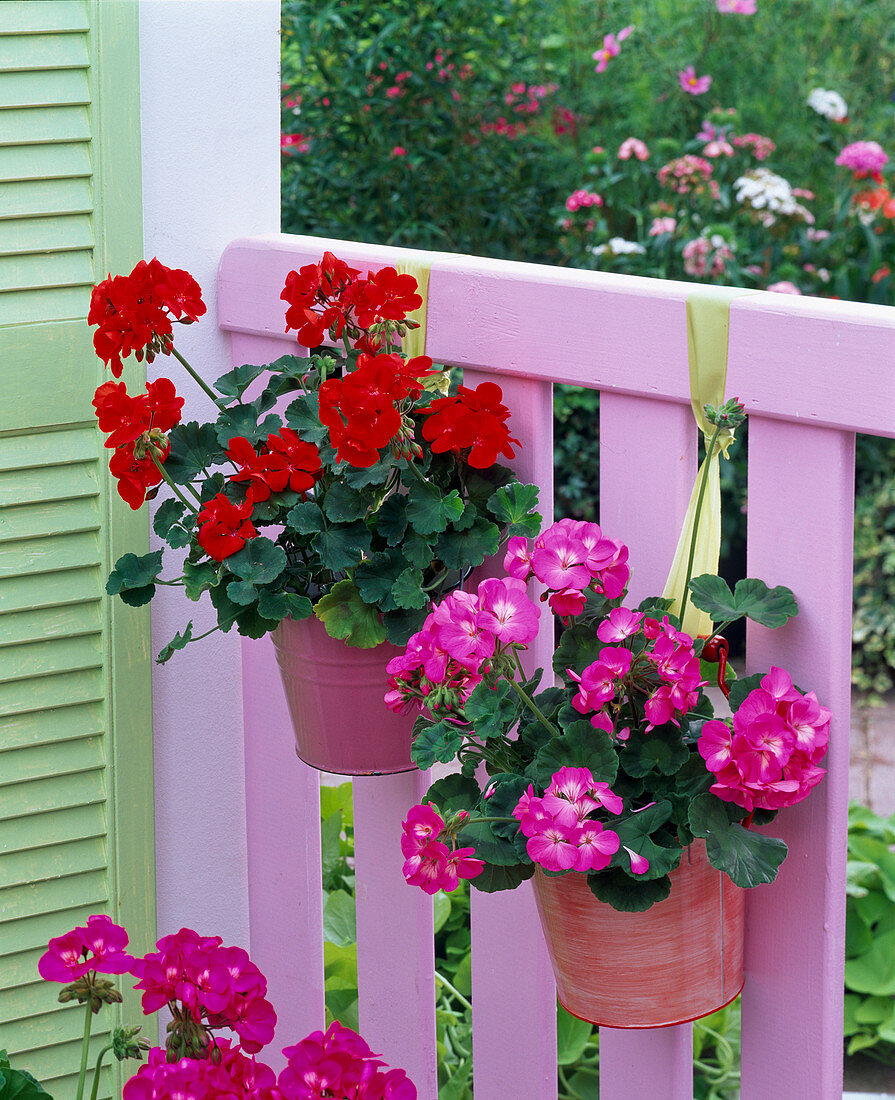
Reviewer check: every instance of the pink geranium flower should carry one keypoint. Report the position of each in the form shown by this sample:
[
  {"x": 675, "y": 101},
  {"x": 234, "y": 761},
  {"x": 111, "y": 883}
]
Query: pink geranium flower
[
  {"x": 621, "y": 624},
  {"x": 97, "y": 946},
  {"x": 507, "y": 612},
  {"x": 693, "y": 84},
  {"x": 554, "y": 848}
]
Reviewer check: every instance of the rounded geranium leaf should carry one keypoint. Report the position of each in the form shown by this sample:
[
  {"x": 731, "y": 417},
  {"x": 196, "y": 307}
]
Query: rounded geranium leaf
[
  {"x": 629, "y": 895},
  {"x": 347, "y": 617},
  {"x": 260, "y": 561},
  {"x": 580, "y": 746}
]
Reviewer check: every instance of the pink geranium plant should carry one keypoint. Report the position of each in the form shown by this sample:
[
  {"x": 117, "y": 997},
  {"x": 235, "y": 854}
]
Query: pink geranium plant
[
  {"x": 207, "y": 988},
  {"x": 617, "y": 768}
]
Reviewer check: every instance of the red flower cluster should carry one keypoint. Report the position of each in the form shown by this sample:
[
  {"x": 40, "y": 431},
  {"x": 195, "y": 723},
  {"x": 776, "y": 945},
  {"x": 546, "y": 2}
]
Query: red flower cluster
[
  {"x": 285, "y": 462},
  {"x": 474, "y": 420},
  {"x": 218, "y": 986},
  {"x": 224, "y": 527},
  {"x": 134, "y": 312},
  {"x": 362, "y": 409},
  {"x": 345, "y": 303},
  {"x": 134, "y": 424}
]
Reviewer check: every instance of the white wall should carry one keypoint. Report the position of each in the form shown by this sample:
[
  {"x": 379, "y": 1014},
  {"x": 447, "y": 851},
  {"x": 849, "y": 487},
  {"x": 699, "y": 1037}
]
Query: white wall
[{"x": 210, "y": 88}]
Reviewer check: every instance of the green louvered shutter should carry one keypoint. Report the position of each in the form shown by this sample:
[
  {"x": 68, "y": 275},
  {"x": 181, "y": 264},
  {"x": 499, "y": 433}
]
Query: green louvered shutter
[{"x": 76, "y": 806}]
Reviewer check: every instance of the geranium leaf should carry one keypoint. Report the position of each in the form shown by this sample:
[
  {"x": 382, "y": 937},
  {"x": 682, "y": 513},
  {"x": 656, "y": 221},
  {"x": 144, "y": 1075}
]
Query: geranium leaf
[
  {"x": 491, "y": 710},
  {"x": 628, "y": 895},
  {"x": 167, "y": 522},
  {"x": 359, "y": 477},
  {"x": 248, "y": 621},
  {"x": 260, "y": 561},
  {"x": 376, "y": 576},
  {"x": 495, "y": 878},
  {"x": 482, "y": 484},
  {"x": 244, "y": 421},
  {"x": 513, "y": 506},
  {"x": 343, "y": 504},
  {"x": 399, "y": 625},
  {"x": 277, "y": 605},
  {"x": 428, "y": 512},
  {"x": 242, "y": 592},
  {"x": 197, "y": 578},
  {"x": 496, "y": 850},
  {"x": 407, "y": 591},
  {"x": 303, "y": 418},
  {"x": 342, "y": 545},
  {"x": 391, "y": 520},
  {"x": 452, "y": 793},
  {"x": 770, "y": 607},
  {"x": 305, "y": 518},
  {"x": 235, "y": 382},
  {"x": 435, "y": 742},
  {"x": 580, "y": 746},
  {"x": 660, "y": 751},
  {"x": 578, "y": 647},
  {"x": 465, "y": 549},
  {"x": 748, "y": 857},
  {"x": 636, "y": 832},
  {"x": 417, "y": 550},
  {"x": 194, "y": 447},
  {"x": 133, "y": 578},
  {"x": 506, "y": 790},
  {"x": 346, "y": 616},
  {"x": 177, "y": 642}
]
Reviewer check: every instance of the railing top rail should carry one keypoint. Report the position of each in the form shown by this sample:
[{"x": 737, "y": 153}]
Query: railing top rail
[{"x": 814, "y": 360}]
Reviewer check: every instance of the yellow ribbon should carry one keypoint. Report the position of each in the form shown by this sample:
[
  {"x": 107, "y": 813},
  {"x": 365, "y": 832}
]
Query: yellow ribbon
[
  {"x": 414, "y": 342},
  {"x": 708, "y": 323}
]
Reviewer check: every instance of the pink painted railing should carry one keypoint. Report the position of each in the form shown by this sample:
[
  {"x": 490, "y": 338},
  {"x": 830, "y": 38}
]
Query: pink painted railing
[{"x": 811, "y": 373}]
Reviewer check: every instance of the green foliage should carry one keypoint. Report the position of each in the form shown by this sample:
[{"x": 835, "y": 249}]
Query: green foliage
[
  {"x": 345, "y": 615},
  {"x": 751, "y": 598},
  {"x": 748, "y": 857},
  {"x": 133, "y": 577},
  {"x": 18, "y": 1084},
  {"x": 870, "y": 935},
  {"x": 873, "y": 626}
]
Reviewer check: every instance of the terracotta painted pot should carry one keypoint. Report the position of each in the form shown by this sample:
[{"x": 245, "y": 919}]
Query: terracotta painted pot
[
  {"x": 335, "y": 696},
  {"x": 680, "y": 960}
]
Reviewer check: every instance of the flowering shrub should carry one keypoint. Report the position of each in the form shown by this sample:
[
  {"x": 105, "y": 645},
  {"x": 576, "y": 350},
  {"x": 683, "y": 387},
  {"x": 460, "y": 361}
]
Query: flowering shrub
[
  {"x": 208, "y": 987},
  {"x": 613, "y": 773},
  {"x": 375, "y": 496}
]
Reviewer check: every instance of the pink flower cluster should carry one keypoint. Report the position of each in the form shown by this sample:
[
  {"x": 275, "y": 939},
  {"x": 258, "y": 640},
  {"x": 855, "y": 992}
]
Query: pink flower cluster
[
  {"x": 561, "y": 835},
  {"x": 220, "y": 984},
  {"x": 689, "y": 174},
  {"x": 232, "y": 1075},
  {"x": 611, "y": 48},
  {"x": 340, "y": 1064},
  {"x": 429, "y": 863},
  {"x": 769, "y": 759},
  {"x": 525, "y": 99},
  {"x": 442, "y": 663},
  {"x": 864, "y": 158},
  {"x": 761, "y": 146},
  {"x": 706, "y": 256},
  {"x": 633, "y": 147},
  {"x": 736, "y": 7},
  {"x": 570, "y": 558},
  {"x": 785, "y": 286},
  {"x": 667, "y": 670},
  {"x": 97, "y": 947},
  {"x": 584, "y": 198},
  {"x": 662, "y": 225}
]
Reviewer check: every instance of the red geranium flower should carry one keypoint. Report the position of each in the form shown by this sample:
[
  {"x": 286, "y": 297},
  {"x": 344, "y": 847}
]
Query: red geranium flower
[
  {"x": 360, "y": 412},
  {"x": 135, "y": 475},
  {"x": 265, "y": 473},
  {"x": 473, "y": 419},
  {"x": 302, "y": 459},
  {"x": 127, "y": 417},
  {"x": 224, "y": 527},
  {"x": 386, "y": 295}
]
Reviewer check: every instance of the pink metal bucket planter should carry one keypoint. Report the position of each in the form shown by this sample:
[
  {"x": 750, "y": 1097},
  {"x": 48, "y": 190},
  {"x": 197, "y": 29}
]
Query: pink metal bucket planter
[
  {"x": 335, "y": 696},
  {"x": 680, "y": 960}
]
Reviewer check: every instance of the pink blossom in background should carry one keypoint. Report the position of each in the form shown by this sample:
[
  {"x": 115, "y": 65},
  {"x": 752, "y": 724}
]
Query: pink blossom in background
[
  {"x": 707, "y": 256},
  {"x": 693, "y": 84},
  {"x": 632, "y": 147},
  {"x": 582, "y": 198},
  {"x": 662, "y": 225},
  {"x": 399, "y": 151},
  {"x": 611, "y": 48},
  {"x": 736, "y": 7},
  {"x": 718, "y": 148},
  {"x": 864, "y": 158},
  {"x": 761, "y": 146},
  {"x": 784, "y": 287}
]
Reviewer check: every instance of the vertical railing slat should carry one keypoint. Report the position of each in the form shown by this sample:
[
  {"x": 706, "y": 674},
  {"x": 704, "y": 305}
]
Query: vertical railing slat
[
  {"x": 283, "y": 840},
  {"x": 801, "y": 500},
  {"x": 395, "y": 935},
  {"x": 514, "y": 1055},
  {"x": 647, "y": 463}
]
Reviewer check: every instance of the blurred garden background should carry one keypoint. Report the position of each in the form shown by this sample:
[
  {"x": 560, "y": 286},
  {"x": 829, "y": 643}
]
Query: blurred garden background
[{"x": 738, "y": 142}]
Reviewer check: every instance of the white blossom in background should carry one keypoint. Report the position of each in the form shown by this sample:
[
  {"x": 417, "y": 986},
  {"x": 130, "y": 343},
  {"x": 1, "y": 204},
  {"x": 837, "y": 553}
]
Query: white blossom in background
[
  {"x": 618, "y": 246},
  {"x": 770, "y": 195},
  {"x": 829, "y": 104}
]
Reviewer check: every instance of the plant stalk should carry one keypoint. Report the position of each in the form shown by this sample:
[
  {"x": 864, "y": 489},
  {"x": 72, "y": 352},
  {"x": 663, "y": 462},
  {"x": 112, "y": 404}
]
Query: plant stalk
[
  {"x": 699, "y": 501},
  {"x": 202, "y": 385},
  {"x": 99, "y": 1063},
  {"x": 82, "y": 1074},
  {"x": 177, "y": 492}
]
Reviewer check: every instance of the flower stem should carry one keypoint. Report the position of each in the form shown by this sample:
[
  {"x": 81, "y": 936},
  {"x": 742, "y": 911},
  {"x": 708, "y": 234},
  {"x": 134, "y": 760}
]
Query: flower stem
[
  {"x": 202, "y": 385},
  {"x": 177, "y": 492},
  {"x": 99, "y": 1063},
  {"x": 447, "y": 985},
  {"x": 532, "y": 706},
  {"x": 84, "y": 1050},
  {"x": 699, "y": 500}
]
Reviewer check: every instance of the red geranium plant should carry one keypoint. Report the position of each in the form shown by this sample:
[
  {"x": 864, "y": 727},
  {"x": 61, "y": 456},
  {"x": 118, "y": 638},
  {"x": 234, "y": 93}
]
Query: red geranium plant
[{"x": 369, "y": 497}]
